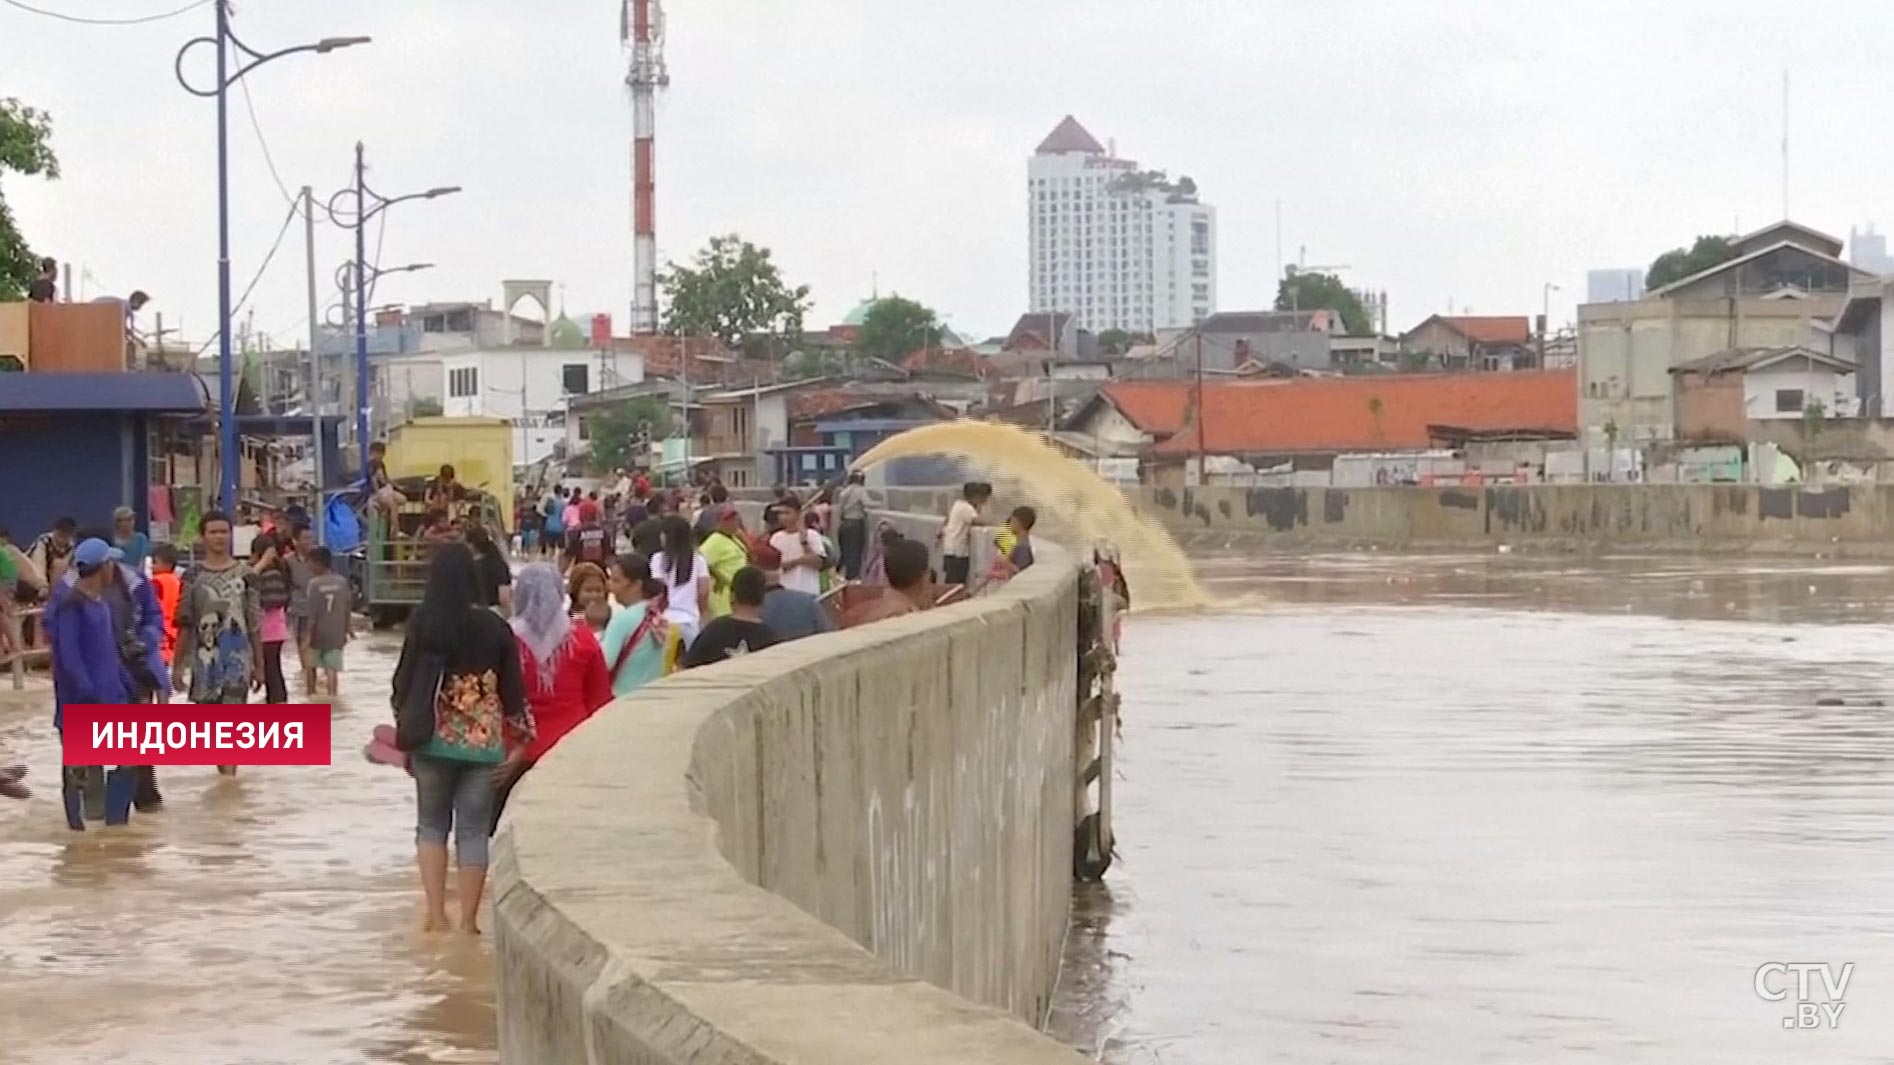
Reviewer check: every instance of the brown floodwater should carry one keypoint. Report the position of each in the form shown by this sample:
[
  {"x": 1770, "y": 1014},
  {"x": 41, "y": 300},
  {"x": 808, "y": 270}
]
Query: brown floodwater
[
  {"x": 1387, "y": 808},
  {"x": 1376, "y": 808},
  {"x": 270, "y": 918}
]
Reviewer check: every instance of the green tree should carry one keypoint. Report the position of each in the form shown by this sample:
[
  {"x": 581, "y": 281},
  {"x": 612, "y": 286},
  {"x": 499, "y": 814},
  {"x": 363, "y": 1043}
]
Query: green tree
[
  {"x": 1679, "y": 263},
  {"x": 802, "y": 365},
  {"x": 1114, "y": 342},
  {"x": 26, "y": 147},
  {"x": 617, "y": 431},
  {"x": 895, "y": 328},
  {"x": 732, "y": 291},
  {"x": 1313, "y": 291}
]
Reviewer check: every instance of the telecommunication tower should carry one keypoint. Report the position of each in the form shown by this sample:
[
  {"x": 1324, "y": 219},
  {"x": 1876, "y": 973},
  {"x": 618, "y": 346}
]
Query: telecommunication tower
[{"x": 641, "y": 29}]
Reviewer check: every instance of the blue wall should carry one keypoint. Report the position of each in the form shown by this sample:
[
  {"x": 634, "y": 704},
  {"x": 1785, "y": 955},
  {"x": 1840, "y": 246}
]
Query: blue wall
[{"x": 78, "y": 465}]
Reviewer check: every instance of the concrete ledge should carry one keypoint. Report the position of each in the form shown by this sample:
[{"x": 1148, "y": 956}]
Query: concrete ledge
[{"x": 853, "y": 848}]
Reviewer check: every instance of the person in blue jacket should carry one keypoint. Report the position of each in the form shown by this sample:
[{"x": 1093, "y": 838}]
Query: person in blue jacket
[{"x": 89, "y": 667}]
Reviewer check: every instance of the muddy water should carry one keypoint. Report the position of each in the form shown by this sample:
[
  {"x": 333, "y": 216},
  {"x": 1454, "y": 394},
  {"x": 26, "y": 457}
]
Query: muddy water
[
  {"x": 1497, "y": 809},
  {"x": 266, "y": 919}
]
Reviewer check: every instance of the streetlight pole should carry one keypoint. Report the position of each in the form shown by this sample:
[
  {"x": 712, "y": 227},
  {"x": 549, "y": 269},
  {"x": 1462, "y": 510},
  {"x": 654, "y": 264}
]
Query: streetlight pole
[
  {"x": 367, "y": 204},
  {"x": 314, "y": 395},
  {"x": 249, "y": 59},
  {"x": 364, "y": 400}
]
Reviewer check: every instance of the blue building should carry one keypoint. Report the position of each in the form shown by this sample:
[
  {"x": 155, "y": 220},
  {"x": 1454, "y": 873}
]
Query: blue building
[
  {"x": 823, "y": 445},
  {"x": 81, "y": 445}
]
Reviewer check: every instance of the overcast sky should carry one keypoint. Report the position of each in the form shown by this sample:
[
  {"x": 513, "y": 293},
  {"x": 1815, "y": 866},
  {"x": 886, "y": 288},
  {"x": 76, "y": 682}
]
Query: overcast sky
[{"x": 1448, "y": 150}]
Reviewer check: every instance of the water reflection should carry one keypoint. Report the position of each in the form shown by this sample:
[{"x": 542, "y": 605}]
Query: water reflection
[
  {"x": 1441, "y": 808},
  {"x": 268, "y": 918}
]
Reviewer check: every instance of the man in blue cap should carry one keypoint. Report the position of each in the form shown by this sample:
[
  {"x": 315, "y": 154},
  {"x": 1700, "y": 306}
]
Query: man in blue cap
[
  {"x": 89, "y": 667},
  {"x": 138, "y": 622}
]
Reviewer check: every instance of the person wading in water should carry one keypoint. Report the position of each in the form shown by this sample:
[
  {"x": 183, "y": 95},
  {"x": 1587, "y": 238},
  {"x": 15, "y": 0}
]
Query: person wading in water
[
  {"x": 218, "y": 660},
  {"x": 468, "y": 659}
]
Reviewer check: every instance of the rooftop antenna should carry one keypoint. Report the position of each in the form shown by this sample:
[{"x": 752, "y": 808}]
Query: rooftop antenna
[{"x": 1785, "y": 143}]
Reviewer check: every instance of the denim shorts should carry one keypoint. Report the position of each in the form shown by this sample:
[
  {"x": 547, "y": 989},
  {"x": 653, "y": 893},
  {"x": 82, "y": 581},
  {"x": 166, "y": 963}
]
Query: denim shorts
[{"x": 454, "y": 796}]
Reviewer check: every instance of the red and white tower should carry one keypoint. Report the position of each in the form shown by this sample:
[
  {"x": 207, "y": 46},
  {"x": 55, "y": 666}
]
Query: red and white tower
[{"x": 641, "y": 28}]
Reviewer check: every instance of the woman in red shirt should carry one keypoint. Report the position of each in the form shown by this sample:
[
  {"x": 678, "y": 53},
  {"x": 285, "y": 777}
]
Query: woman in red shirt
[{"x": 561, "y": 664}]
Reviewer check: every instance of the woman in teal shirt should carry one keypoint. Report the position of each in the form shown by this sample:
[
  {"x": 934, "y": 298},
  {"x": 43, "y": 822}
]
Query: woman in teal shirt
[{"x": 638, "y": 637}]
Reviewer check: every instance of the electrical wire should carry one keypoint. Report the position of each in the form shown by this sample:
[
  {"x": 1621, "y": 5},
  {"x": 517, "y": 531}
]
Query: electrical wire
[
  {"x": 84, "y": 21},
  {"x": 294, "y": 202},
  {"x": 251, "y": 287}
]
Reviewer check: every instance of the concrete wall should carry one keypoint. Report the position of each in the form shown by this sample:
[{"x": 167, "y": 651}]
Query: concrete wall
[
  {"x": 852, "y": 848},
  {"x": 1626, "y": 350},
  {"x": 1700, "y": 516}
]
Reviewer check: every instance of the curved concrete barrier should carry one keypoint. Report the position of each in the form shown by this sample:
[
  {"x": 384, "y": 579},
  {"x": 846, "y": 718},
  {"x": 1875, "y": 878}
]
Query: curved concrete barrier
[{"x": 853, "y": 848}]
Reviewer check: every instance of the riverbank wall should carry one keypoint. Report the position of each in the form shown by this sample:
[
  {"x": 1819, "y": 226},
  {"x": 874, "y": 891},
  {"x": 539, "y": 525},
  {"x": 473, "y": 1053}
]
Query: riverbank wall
[
  {"x": 851, "y": 848},
  {"x": 1841, "y": 520},
  {"x": 1672, "y": 517}
]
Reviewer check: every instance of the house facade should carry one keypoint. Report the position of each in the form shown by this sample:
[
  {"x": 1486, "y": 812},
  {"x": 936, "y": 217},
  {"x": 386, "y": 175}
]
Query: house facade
[
  {"x": 1469, "y": 342},
  {"x": 1720, "y": 397},
  {"x": 1783, "y": 289}
]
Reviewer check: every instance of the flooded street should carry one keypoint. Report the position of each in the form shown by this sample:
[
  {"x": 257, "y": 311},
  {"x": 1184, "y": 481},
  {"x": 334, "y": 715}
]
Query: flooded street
[
  {"x": 1493, "y": 808},
  {"x": 266, "y": 919},
  {"x": 1375, "y": 809}
]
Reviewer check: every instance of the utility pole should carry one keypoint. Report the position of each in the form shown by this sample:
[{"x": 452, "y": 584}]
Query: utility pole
[
  {"x": 1201, "y": 482},
  {"x": 314, "y": 396}
]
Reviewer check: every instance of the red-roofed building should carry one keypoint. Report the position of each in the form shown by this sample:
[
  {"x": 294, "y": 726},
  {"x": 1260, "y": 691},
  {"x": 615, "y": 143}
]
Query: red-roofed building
[
  {"x": 1130, "y": 417},
  {"x": 1469, "y": 342},
  {"x": 1316, "y": 418}
]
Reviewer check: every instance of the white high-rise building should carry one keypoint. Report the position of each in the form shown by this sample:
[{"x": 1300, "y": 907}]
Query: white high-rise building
[{"x": 1115, "y": 246}]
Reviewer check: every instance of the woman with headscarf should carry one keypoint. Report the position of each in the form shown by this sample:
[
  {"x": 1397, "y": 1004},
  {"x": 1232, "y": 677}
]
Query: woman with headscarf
[
  {"x": 470, "y": 660},
  {"x": 561, "y": 667}
]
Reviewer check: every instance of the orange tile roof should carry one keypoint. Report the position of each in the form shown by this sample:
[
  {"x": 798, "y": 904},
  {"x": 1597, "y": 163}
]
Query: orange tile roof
[
  {"x": 1155, "y": 407},
  {"x": 1336, "y": 414},
  {"x": 1491, "y": 329}
]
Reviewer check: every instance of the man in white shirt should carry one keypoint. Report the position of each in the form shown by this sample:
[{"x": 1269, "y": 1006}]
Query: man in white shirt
[
  {"x": 803, "y": 558},
  {"x": 956, "y": 536}
]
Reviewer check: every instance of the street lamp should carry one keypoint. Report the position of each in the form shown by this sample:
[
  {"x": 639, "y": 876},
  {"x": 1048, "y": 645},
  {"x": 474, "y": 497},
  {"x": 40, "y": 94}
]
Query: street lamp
[
  {"x": 248, "y": 59},
  {"x": 367, "y": 203}
]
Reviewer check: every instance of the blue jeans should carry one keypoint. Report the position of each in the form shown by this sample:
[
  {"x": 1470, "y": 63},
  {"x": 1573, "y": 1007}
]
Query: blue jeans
[{"x": 454, "y": 796}]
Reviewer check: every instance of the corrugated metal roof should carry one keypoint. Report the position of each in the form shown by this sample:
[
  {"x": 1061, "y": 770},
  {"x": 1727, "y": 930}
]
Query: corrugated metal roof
[{"x": 150, "y": 393}]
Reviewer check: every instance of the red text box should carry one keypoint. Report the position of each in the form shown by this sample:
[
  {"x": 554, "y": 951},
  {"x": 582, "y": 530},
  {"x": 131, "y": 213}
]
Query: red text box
[{"x": 196, "y": 734}]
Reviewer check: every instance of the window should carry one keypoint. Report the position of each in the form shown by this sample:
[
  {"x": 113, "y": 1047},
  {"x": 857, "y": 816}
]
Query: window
[
  {"x": 463, "y": 382},
  {"x": 1788, "y": 401},
  {"x": 585, "y": 429},
  {"x": 574, "y": 377},
  {"x": 740, "y": 422},
  {"x": 1200, "y": 236}
]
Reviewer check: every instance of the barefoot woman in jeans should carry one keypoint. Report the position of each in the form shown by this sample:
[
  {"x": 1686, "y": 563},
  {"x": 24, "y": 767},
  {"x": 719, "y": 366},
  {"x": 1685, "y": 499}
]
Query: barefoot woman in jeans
[{"x": 481, "y": 705}]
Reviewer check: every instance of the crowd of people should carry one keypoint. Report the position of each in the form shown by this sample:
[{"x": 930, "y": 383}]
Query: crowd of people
[
  {"x": 498, "y": 663},
  {"x": 121, "y": 623}
]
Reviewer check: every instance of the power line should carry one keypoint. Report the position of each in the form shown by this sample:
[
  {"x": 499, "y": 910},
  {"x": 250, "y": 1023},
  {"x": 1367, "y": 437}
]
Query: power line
[
  {"x": 268, "y": 159},
  {"x": 84, "y": 21},
  {"x": 251, "y": 287}
]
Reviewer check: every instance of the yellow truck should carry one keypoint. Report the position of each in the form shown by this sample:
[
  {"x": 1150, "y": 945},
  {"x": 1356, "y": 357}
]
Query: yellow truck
[{"x": 479, "y": 449}]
